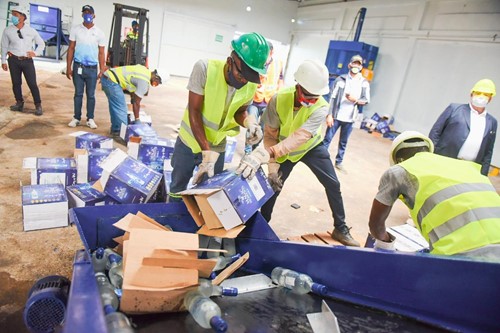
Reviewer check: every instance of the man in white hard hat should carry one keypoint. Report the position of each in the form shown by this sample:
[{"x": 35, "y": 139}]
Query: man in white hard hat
[
  {"x": 17, "y": 42},
  {"x": 455, "y": 208},
  {"x": 293, "y": 133},
  {"x": 468, "y": 131}
]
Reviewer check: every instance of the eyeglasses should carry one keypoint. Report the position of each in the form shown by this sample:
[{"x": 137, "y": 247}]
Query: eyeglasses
[
  {"x": 20, "y": 34},
  {"x": 239, "y": 74},
  {"x": 479, "y": 93}
]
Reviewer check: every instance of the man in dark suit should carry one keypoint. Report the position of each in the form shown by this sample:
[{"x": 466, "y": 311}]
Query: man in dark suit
[{"x": 468, "y": 131}]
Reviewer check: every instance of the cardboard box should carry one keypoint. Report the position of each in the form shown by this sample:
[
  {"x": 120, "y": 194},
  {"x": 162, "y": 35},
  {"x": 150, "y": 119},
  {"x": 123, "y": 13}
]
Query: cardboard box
[
  {"x": 142, "y": 130},
  {"x": 145, "y": 118},
  {"x": 86, "y": 140},
  {"x": 127, "y": 180},
  {"x": 408, "y": 239},
  {"x": 227, "y": 200},
  {"x": 44, "y": 206},
  {"x": 151, "y": 151},
  {"x": 230, "y": 149},
  {"x": 88, "y": 163},
  {"x": 84, "y": 195},
  {"x": 51, "y": 170}
]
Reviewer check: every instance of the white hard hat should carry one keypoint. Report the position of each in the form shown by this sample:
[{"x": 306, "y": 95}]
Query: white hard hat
[
  {"x": 19, "y": 9},
  {"x": 407, "y": 140},
  {"x": 313, "y": 76}
]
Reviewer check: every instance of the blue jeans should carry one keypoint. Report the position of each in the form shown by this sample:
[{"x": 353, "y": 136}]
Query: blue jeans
[
  {"x": 116, "y": 102},
  {"x": 257, "y": 112},
  {"x": 345, "y": 132},
  {"x": 183, "y": 163},
  {"x": 86, "y": 81}
]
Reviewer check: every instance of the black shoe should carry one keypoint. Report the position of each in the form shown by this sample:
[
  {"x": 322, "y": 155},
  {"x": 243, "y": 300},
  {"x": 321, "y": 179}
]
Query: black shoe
[
  {"x": 19, "y": 106},
  {"x": 343, "y": 236},
  {"x": 38, "y": 111}
]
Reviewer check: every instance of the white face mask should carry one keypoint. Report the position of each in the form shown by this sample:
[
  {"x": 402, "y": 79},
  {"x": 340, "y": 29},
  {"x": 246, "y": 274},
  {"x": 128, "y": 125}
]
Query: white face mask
[
  {"x": 355, "y": 70},
  {"x": 479, "y": 101}
]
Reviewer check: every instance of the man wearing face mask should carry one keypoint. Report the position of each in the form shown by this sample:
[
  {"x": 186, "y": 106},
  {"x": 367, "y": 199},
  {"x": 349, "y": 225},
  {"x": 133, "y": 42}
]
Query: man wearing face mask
[
  {"x": 17, "y": 43},
  {"x": 85, "y": 53},
  {"x": 349, "y": 91},
  {"x": 468, "y": 131},
  {"x": 134, "y": 33},
  {"x": 292, "y": 133},
  {"x": 219, "y": 94}
]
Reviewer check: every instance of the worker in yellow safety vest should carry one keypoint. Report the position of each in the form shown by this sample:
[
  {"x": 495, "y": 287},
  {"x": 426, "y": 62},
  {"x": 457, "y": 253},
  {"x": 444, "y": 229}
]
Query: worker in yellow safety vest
[
  {"x": 292, "y": 133},
  {"x": 453, "y": 205},
  {"x": 134, "y": 33},
  {"x": 219, "y": 94}
]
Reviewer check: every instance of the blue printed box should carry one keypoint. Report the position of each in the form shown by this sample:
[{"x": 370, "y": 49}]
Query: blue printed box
[
  {"x": 127, "y": 180},
  {"x": 142, "y": 130},
  {"x": 151, "y": 151},
  {"x": 227, "y": 199},
  {"x": 230, "y": 149},
  {"x": 88, "y": 162},
  {"x": 86, "y": 140},
  {"x": 44, "y": 206},
  {"x": 51, "y": 170},
  {"x": 83, "y": 195}
]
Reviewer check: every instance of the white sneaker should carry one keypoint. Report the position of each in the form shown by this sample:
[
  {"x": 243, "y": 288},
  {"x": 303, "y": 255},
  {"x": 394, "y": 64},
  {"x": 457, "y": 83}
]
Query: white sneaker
[
  {"x": 74, "y": 122},
  {"x": 91, "y": 123}
]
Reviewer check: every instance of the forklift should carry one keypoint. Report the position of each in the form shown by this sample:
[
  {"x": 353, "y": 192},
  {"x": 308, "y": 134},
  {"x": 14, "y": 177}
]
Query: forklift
[{"x": 130, "y": 51}]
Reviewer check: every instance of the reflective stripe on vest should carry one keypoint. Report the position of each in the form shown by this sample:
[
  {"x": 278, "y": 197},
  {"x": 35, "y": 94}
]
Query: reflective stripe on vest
[
  {"x": 292, "y": 121},
  {"x": 217, "y": 126},
  {"x": 269, "y": 85},
  {"x": 126, "y": 73},
  {"x": 456, "y": 208}
]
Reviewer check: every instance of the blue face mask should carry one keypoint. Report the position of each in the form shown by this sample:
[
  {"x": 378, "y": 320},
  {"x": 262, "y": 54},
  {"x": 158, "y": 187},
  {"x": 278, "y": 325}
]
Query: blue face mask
[
  {"x": 14, "y": 20},
  {"x": 88, "y": 18}
]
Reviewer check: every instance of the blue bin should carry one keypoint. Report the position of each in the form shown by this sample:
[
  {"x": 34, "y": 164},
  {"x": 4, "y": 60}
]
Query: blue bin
[{"x": 450, "y": 293}]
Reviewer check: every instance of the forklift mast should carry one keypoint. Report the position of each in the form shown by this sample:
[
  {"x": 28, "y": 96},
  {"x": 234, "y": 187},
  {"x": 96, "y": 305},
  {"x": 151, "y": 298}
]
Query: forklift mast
[{"x": 128, "y": 51}]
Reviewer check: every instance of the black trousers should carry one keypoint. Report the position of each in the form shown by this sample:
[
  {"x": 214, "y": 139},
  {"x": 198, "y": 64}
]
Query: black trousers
[
  {"x": 318, "y": 160},
  {"x": 26, "y": 67}
]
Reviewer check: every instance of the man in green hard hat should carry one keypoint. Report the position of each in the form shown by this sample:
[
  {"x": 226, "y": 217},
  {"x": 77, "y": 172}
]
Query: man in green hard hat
[{"x": 219, "y": 94}]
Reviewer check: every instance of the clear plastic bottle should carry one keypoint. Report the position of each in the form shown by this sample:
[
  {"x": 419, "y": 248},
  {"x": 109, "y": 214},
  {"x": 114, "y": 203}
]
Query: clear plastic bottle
[
  {"x": 229, "y": 245},
  {"x": 107, "y": 254},
  {"x": 222, "y": 262},
  {"x": 117, "y": 322},
  {"x": 115, "y": 272},
  {"x": 214, "y": 243},
  {"x": 204, "y": 311},
  {"x": 297, "y": 282},
  {"x": 98, "y": 260},
  {"x": 106, "y": 290},
  {"x": 207, "y": 289}
]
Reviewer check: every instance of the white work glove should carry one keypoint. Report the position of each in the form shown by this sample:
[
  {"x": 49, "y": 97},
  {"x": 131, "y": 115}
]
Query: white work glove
[
  {"x": 381, "y": 245},
  {"x": 250, "y": 163},
  {"x": 274, "y": 176},
  {"x": 207, "y": 165},
  {"x": 254, "y": 131}
]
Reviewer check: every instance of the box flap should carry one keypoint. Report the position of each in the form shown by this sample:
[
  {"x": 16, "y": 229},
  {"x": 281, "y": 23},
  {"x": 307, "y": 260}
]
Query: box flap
[
  {"x": 193, "y": 209},
  {"x": 207, "y": 213},
  {"x": 164, "y": 277},
  {"x": 152, "y": 221},
  {"x": 221, "y": 232},
  {"x": 224, "y": 211},
  {"x": 230, "y": 269},
  {"x": 78, "y": 133},
  {"x": 204, "y": 266},
  {"x": 29, "y": 163},
  {"x": 110, "y": 163}
]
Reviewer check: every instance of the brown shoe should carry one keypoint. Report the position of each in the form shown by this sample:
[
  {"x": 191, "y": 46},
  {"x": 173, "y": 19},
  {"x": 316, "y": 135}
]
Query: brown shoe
[{"x": 343, "y": 236}]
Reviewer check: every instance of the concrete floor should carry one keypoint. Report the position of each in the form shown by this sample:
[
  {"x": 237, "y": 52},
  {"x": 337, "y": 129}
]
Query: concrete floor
[{"x": 28, "y": 256}]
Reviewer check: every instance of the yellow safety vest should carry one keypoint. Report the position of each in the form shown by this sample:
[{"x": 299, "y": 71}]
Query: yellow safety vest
[
  {"x": 217, "y": 126},
  {"x": 132, "y": 35},
  {"x": 126, "y": 73},
  {"x": 269, "y": 83},
  {"x": 456, "y": 208},
  {"x": 292, "y": 121}
]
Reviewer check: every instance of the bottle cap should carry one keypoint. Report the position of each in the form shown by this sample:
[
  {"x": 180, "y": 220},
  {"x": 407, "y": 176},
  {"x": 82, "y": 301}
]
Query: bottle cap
[
  {"x": 108, "y": 309},
  {"x": 114, "y": 258},
  {"x": 99, "y": 253},
  {"x": 218, "y": 324},
  {"x": 230, "y": 291},
  {"x": 236, "y": 257},
  {"x": 212, "y": 276},
  {"x": 319, "y": 289}
]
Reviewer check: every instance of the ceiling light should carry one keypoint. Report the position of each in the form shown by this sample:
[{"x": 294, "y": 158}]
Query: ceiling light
[{"x": 249, "y": 9}]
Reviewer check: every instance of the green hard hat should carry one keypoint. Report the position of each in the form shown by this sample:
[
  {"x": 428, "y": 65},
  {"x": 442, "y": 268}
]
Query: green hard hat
[{"x": 253, "y": 49}]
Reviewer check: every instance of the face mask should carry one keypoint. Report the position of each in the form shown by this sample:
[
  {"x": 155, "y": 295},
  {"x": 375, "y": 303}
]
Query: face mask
[
  {"x": 88, "y": 18},
  {"x": 355, "y": 70},
  {"x": 479, "y": 101},
  {"x": 233, "y": 82},
  {"x": 14, "y": 20}
]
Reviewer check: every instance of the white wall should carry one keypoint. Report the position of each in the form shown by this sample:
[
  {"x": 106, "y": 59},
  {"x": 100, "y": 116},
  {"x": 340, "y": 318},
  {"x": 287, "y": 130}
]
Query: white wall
[{"x": 430, "y": 52}]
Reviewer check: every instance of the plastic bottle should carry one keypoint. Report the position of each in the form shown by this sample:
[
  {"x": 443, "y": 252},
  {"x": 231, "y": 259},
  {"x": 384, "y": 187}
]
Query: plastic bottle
[
  {"x": 207, "y": 289},
  {"x": 297, "y": 282},
  {"x": 107, "y": 254},
  {"x": 222, "y": 262},
  {"x": 214, "y": 243},
  {"x": 106, "y": 290},
  {"x": 117, "y": 322},
  {"x": 100, "y": 259},
  {"x": 229, "y": 245},
  {"x": 204, "y": 311},
  {"x": 115, "y": 272}
]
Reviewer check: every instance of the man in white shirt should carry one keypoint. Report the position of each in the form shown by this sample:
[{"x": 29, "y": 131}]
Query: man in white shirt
[
  {"x": 349, "y": 91},
  {"x": 468, "y": 131},
  {"x": 17, "y": 43}
]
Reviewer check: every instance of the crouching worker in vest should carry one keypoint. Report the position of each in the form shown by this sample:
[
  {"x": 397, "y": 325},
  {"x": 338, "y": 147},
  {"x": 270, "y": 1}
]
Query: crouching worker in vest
[
  {"x": 219, "y": 94},
  {"x": 136, "y": 80},
  {"x": 293, "y": 133},
  {"x": 453, "y": 205}
]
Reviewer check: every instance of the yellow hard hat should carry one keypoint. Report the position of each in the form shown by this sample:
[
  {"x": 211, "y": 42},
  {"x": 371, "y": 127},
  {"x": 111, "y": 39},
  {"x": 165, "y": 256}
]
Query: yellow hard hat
[
  {"x": 485, "y": 86},
  {"x": 410, "y": 139}
]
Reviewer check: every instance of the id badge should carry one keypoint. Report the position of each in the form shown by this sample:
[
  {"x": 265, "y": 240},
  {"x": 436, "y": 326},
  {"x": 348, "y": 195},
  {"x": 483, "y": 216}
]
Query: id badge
[{"x": 79, "y": 71}]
